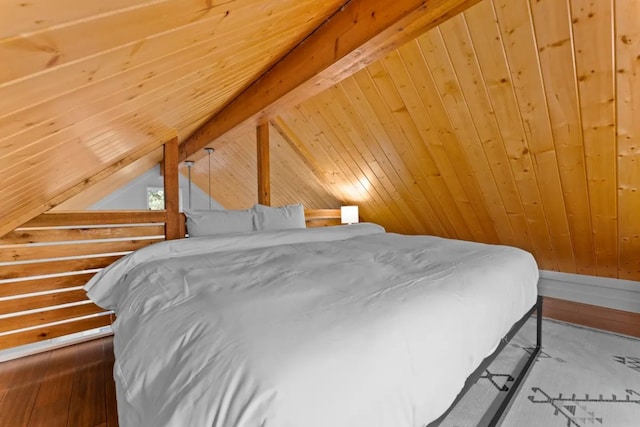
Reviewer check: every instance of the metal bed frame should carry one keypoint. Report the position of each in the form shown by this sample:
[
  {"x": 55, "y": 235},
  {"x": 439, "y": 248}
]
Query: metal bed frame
[{"x": 518, "y": 381}]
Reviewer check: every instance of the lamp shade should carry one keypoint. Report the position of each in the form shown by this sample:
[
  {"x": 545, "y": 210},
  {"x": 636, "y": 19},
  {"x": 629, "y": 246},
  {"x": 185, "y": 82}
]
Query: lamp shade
[{"x": 349, "y": 214}]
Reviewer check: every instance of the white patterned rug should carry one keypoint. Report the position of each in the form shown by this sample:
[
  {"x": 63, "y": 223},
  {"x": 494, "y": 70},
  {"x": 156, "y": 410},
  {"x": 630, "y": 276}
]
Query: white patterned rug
[{"x": 583, "y": 377}]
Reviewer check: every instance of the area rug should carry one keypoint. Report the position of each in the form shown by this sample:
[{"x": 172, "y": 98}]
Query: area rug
[{"x": 583, "y": 377}]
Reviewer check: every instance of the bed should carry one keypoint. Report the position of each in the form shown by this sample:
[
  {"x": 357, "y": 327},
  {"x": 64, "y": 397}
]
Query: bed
[{"x": 334, "y": 326}]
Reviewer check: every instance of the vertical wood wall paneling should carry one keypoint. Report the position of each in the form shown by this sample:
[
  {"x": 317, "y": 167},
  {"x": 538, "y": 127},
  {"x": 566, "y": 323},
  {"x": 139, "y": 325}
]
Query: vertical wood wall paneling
[
  {"x": 627, "y": 45},
  {"x": 392, "y": 81},
  {"x": 451, "y": 115},
  {"x": 289, "y": 166},
  {"x": 522, "y": 54},
  {"x": 345, "y": 175},
  {"x": 444, "y": 194},
  {"x": 509, "y": 219},
  {"x": 300, "y": 145},
  {"x": 424, "y": 183},
  {"x": 171, "y": 189},
  {"x": 555, "y": 46},
  {"x": 234, "y": 170},
  {"x": 400, "y": 203},
  {"x": 264, "y": 173},
  {"x": 532, "y": 231},
  {"x": 593, "y": 41},
  {"x": 234, "y": 165},
  {"x": 345, "y": 139}
]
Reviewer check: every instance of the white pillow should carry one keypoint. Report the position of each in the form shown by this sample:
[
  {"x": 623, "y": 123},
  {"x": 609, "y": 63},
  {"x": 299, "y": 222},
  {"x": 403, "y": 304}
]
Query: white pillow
[
  {"x": 282, "y": 218},
  {"x": 208, "y": 223}
]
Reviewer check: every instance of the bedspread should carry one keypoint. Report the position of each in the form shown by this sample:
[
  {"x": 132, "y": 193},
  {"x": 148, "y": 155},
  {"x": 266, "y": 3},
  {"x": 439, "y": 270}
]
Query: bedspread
[{"x": 335, "y": 327}]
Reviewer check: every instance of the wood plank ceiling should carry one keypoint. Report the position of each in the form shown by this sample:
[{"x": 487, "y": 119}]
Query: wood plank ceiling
[
  {"x": 515, "y": 122},
  {"x": 511, "y": 123},
  {"x": 85, "y": 84}
]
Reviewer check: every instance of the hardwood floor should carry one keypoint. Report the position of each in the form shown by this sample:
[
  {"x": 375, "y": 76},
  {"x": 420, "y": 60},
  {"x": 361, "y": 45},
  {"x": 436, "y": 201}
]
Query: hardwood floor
[
  {"x": 73, "y": 386},
  {"x": 67, "y": 387},
  {"x": 607, "y": 319}
]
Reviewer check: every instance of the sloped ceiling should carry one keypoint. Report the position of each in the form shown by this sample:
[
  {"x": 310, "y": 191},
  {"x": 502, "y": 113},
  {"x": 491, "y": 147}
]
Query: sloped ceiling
[
  {"x": 514, "y": 122},
  {"x": 84, "y": 84},
  {"x": 233, "y": 173},
  {"x": 87, "y": 87}
]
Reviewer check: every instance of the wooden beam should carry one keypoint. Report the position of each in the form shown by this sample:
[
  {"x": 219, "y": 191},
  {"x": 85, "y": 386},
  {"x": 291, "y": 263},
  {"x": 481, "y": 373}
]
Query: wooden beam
[
  {"x": 264, "y": 173},
  {"x": 24, "y": 236},
  {"x": 78, "y": 218},
  {"x": 171, "y": 189},
  {"x": 358, "y": 34}
]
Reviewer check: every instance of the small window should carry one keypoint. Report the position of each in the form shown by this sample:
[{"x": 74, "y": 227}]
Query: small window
[{"x": 155, "y": 198}]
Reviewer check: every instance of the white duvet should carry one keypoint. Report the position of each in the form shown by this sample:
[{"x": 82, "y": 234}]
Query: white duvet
[{"x": 328, "y": 327}]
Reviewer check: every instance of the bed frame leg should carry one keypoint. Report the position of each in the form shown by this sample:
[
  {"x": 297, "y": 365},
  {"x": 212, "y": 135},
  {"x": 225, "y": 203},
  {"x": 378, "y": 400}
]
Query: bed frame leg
[
  {"x": 539, "y": 322},
  {"x": 508, "y": 400},
  {"x": 496, "y": 418}
]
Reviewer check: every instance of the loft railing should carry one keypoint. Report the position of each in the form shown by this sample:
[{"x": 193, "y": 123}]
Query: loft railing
[{"x": 45, "y": 263}]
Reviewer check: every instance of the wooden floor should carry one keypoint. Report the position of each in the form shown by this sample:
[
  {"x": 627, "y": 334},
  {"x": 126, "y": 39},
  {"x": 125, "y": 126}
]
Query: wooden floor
[{"x": 71, "y": 386}]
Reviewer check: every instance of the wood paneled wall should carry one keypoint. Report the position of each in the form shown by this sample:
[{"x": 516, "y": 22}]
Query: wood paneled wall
[
  {"x": 514, "y": 122},
  {"x": 234, "y": 173}
]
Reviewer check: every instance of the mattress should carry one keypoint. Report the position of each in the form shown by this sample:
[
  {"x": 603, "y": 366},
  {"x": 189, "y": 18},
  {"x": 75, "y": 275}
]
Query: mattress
[{"x": 336, "y": 326}]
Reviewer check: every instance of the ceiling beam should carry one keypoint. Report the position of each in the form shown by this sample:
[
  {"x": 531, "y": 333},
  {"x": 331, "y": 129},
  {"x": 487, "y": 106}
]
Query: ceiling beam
[{"x": 360, "y": 33}]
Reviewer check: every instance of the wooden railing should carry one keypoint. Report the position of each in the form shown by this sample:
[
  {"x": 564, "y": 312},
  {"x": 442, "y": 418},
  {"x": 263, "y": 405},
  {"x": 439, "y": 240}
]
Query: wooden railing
[{"x": 45, "y": 263}]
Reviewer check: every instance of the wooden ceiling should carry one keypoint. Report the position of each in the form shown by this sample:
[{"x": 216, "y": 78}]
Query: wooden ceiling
[
  {"x": 88, "y": 87},
  {"x": 511, "y": 123},
  {"x": 84, "y": 84},
  {"x": 514, "y": 122}
]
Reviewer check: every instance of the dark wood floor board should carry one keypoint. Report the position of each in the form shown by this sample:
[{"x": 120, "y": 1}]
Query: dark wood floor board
[
  {"x": 22, "y": 390},
  {"x": 58, "y": 379},
  {"x": 87, "y": 406},
  {"x": 8, "y": 369},
  {"x": 607, "y": 319},
  {"x": 110, "y": 385},
  {"x": 66, "y": 387},
  {"x": 54, "y": 414}
]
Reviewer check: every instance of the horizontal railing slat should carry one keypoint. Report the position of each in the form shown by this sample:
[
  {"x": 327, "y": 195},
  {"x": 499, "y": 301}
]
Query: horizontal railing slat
[
  {"x": 42, "y": 235},
  {"x": 41, "y": 301},
  {"x": 323, "y": 223},
  {"x": 49, "y": 316},
  {"x": 43, "y": 284},
  {"x": 29, "y": 253},
  {"x": 53, "y": 331},
  {"x": 311, "y": 214},
  {"x": 55, "y": 267},
  {"x": 58, "y": 219}
]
